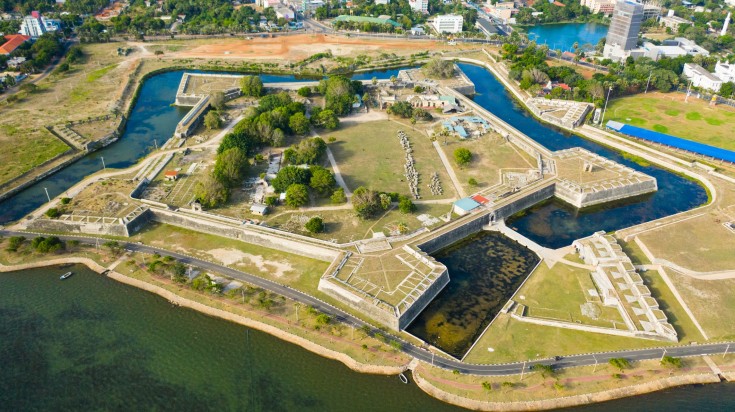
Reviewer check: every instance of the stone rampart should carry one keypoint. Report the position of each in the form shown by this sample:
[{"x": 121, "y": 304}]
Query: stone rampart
[
  {"x": 99, "y": 226},
  {"x": 571, "y": 193},
  {"x": 472, "y": 225},
  {"x": 282, "y": 243},
  {"x": 359, "y": 304}
]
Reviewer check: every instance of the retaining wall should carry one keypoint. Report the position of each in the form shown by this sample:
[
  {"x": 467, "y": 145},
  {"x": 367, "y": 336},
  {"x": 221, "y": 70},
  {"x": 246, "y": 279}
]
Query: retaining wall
[
  {"x": 119, "y": 228},
  {"x": 420, "y": 304},
  {"x": 359, "y": 305},
  {"x": 581, "y": 199}
]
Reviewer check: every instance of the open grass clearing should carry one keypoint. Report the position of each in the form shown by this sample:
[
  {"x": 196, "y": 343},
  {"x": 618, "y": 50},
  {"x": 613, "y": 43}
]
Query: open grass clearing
[
  {"x": 343, "y": 225},
  {"x": 667, "y": 302},
  {"x": 701, "y": 244},
  {"x": 559, "y": 292},
  {"x": 668, "y": 113},
  {"x": 370, "y": 154},
  {"x": 490, "y": 154},
  {"x": 273, "y": 264},
  {"x": 512, "y": 340},
  {"x": 711, "y": 301}
]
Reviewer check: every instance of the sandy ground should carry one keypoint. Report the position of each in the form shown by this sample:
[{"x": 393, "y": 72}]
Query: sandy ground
[
  {"x": 301, "y": 46},
  {"x": 230, "y": 257}
]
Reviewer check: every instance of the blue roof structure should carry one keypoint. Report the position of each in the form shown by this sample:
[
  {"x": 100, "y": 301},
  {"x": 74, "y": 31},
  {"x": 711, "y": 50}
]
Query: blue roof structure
[
  {"x": 461, "y": 131},
  {"x": 467, "y": 204},
  {"x": 673, "y": 141}
]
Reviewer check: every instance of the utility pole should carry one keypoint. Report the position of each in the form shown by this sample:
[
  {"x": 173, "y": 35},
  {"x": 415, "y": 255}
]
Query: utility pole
[
  {"x": 648, "y": 82},
  {"x": 595, "y": 358},
  {"x": 663, "y": 355},
  {"x": 726, "y": 349},
  {"x": 602, "y": 120},
  {"x": 523, "y": 369},
  {"x": 103, "y": 162},
  {"x": 47, "y": 196},
  {"x": 686, "y": 99}
]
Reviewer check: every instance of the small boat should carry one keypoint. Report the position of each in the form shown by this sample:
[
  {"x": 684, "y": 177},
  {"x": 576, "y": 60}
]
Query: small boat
[
  {"x": 66, "y": 275},
  {"x": 403, "y": 378}
]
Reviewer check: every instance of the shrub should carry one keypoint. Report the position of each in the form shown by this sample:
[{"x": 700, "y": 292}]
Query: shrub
[
  {"x": 543, "y": 369},
  {"x": 53, "y": 213},
  {"x": 338, "y": 196},
  {"x": 462, "y": 156},
  {"x": 297, "y": 195},
  {"x": 271, "y": 200},
  {"x": 14, "y": 243},
  {"x": 671, "y": 362},
  {"x": 405, "y": 205},
  {"x": 315, "y": 225},
  {"x": 65, "y": 200},
  {"x": 620, "y": 363},
  {"x": 472, "y": 182}
]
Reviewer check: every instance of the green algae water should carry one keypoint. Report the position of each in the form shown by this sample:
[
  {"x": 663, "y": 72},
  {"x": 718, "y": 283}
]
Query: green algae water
[
  {"x": 91, "y": 343},
  {"x": 484, "y": 272}
]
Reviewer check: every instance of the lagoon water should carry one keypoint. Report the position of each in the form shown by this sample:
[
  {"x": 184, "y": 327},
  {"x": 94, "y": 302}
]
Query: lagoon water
[
  {"x": 564, "y": 35},
  {"x": 91, "y": 343}
]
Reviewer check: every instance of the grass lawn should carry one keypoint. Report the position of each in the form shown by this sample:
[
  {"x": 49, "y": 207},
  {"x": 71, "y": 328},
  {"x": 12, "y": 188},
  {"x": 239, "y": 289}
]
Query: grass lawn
[
  {"x": 701, "y": 244},
  {"x": 711, "y": 301},
  {"x": 370, "y": 154},
  {"x": 342, "y": 225},
  {"x": 668, "y": 113},
  {"x": 22, "y": 149},
  {"x": 282, "y": 267},
  {"x": 490, "y": 153},
  {"x": 512, "y": 340},
  {"x": 558, "y": 292},
  {"x": 683, "y": 324}
]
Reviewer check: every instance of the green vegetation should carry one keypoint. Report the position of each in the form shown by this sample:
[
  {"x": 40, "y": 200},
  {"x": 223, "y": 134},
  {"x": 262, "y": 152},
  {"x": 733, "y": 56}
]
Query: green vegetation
[
  {"x": 368, "y": 203},
  {"x": 14, "y": 243},
  {"x": 53, "y": 213},
  {"x": 439, "y": 68},
  {"x": 671, "y": 362},
  {"x": 308, "y": 151},
  {"x": 47, "y": 244},
  {"x": 543, "y": 369},
  {"x": 297, "y": 195},
  {"x": 315, "y": 225},
  {"x": 462, "y": 156},
  {"x": 251, "y": 86},
  {"x": 338, "y": 197},
  {"x": 212, "y": 120},
  {"x": 406, "y": 111},
  {"x": 405, "y": 205},
  {"x": 694, "y": 120},
  {"x": 339, "y": 93},
  {"x": 619, "y": 363},
  {"x": 97, "y": 74}
]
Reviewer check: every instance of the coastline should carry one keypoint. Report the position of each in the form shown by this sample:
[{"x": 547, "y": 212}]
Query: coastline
[
  {"x": 566, "y": 401},
  {"x": 218, "y": 313}
]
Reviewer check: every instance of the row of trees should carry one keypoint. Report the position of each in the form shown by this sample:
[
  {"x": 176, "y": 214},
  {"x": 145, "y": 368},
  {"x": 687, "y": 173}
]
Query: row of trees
[{"x": 369, "y": 203}]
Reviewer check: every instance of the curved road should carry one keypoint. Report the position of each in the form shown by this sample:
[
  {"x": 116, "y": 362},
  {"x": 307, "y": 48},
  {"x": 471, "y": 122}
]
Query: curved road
[{"x": 410, "y": 349}]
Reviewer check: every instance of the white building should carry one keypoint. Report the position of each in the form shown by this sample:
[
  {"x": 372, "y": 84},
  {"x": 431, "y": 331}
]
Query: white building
[
  {"x": 673, "y": 22},
  {"x": 677, "y": 47},
  {"x": 419, "y": 5},
  {"x": 382, "y": 1},
  {"x": 448, "y": 23},
  {"x": 600, "y": 6},
  {"x": 700, "y": 77},
  {"x": 725, "y": 71},
  {"x": 284, "y": 13},
  {"x": 36, "y": 25}
]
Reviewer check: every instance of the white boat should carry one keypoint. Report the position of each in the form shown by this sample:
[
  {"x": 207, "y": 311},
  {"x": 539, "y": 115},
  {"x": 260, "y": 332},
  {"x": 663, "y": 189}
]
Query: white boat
[
  {"x": 66, "y": 275},
  {"x": 403, "y": 378}
]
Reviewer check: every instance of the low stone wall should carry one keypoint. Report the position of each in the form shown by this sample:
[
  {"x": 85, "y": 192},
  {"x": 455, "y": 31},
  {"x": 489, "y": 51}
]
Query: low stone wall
[
  {"x": 472, "y": 225},
  {"x": 245, "y": 235},
  {"x": 525, "y": 202}
]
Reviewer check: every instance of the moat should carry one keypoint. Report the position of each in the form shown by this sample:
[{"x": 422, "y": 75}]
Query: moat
[{"x": 484, "y": 270}]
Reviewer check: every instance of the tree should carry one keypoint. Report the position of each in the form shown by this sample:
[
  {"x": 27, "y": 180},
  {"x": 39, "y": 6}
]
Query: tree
[
  {"x": 402, "y": 109},
  {"x": 53, "y": 213},
  {"x": 297, "y": 195},
  {"x": 405, "y": 205},
  {"x": 299, "y": 124},
  {"x": 438, "y": 68},
  {"x": 212, "y": 120},
  {"x": 14, "y": 243},
  {"x": 322, "y": 180},
  {"x": 114, "y": 246},
  {"x": 462, "y": 156},
  {"x": 47, "y": 245},
  {"x": 366, "y": 202},
  {"x": 29, "y": 87},
  {"x": 620, "y": 363},
  {"x": 304, "y": 91},
  {"x": 290, "y": 175},
  {"x": 251, "y": 86},
  {"x": 472, "y": 182},
  {"x": 230, "y": 166},
  {"x": 210, "y": 191},
  {"x": 338, "y": 197},
  {"x": 217, "y": 101},
  {"x": 326, "y": 119},
  {"x": 315, "y": 225},
  {"x": 308, "y": 151},
  {"x": 727, "y": 89}
]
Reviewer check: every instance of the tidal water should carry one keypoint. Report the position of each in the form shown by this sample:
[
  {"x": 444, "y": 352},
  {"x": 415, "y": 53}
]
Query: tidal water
[
  {"x": 564, "y": 35},
  {"x": 556, "y": 224},
  {"x": 485, "y": 270}
]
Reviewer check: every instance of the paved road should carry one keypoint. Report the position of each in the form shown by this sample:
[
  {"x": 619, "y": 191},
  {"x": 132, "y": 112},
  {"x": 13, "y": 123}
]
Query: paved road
[{"x": 410, "y": 349}]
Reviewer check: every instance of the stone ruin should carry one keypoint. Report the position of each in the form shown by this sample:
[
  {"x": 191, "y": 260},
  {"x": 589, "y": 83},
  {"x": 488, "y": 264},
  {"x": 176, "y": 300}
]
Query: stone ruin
[
  {"x": 409, "y": 168},
  {"x": 435, "y": 185}
]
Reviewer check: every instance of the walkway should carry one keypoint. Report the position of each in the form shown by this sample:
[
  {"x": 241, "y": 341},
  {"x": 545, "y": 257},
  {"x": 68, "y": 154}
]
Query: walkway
[{"x": 450, "y": 171}]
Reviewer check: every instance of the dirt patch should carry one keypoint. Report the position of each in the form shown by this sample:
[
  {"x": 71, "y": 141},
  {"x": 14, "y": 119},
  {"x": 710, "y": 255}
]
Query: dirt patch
[
  {"x": 230, "y": 257},
  {"x": 302, "y": 46}
]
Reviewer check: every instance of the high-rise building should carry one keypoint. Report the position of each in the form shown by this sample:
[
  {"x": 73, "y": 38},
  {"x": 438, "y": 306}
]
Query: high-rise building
[
  {"x": 448, "y": 23},
  {"x": 622, "y": 36}
]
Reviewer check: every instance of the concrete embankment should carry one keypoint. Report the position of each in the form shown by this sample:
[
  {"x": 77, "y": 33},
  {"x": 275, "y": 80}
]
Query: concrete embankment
[
  {"x": 565, "y": 401},
  {"x": 250, "y": 323}
]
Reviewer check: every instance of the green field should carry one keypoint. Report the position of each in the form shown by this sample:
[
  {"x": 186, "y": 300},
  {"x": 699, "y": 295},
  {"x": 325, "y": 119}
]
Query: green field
[
  {"x": 370, "y": 154},
  {"x": 668, "y": 113}
]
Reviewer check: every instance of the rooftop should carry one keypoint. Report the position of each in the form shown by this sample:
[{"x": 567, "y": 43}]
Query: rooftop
[
  {"x": 364, "y": 19},
  {"x": 13, "y": 42}
]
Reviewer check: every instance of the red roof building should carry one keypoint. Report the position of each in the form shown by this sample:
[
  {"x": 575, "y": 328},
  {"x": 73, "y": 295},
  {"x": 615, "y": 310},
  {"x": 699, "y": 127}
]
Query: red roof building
[
  {"x": 480, "y": 199},
  {"x": 13, "y": 42},
  {"x": 559, "y": 4},
  {"x": 171, "y": 174}
]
